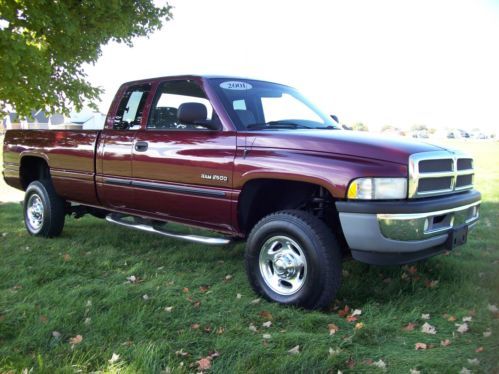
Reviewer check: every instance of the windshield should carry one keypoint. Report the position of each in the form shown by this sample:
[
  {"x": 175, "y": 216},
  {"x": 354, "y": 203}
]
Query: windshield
[{"x": 258, "y": 105}]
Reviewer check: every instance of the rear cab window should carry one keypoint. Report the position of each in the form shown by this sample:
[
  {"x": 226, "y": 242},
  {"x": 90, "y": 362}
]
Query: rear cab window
[{"x": 169, "y": 96}]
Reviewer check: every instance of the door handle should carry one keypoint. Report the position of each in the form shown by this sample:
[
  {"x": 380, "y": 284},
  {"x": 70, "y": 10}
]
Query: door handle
[{"x": 141, "y": 146}]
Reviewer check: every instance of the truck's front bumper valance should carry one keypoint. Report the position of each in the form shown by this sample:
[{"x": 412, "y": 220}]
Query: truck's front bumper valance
[{"x": 405, "y": 231}]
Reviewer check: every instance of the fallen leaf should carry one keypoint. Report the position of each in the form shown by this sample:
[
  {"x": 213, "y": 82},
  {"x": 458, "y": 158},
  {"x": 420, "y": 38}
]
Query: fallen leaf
[
  {"x": 228, "y": 277},
  {"x": 487, "y": 333},
  {"x": 44, "y": 319},
  {"x": 412, "y": 270},
  {"x": 332, "y": 328},
  {"x": 238, "y": 296},
  {"x": 252, "y": 328},
  {"x": 356, "y": 312},
  {"x": 56, "y": 334},
  {"x": 145, "y": 297},
  {"x": 380, "y": 364},
  {"x": 66, "y": 257},
  {"x": 492, "y": 308},
  {"x": 467, "y": 319},
  {"x": 421, "y": 346},
  {"x": 462, "y": 328},
  {"x": 359, "y": 325},
  {"x": 428, "y": 329},
  {"x": 185, "y": 290},
  {"x": 255, "y": 301},
  {"x": 473, "y": 361},
  {"x": 409, "y": 327},
  {"x": 267, "y": 336},
  {"x": 295, "y": 350},
  {"x": 203, "y": 289},
  {"x": 445, "y": 343},
  {"x": 181, "y": 353},
  {"x": 465, "y": 371},
  {"x": 195, "y": 326},
  {"x": 431, "y": 284},
  {"x": 75, "y": 340},
  {"x": 196, "y": 304},
  {"x": 425, "y": 316},
  {"x": 220, "y": 330},
  {"x": 334, "y": 352},
  {"x": 87, "y": 321},
  {"x": 267, "y": 324},
  {"x": 451, "y": 319},
  {"x": 115, "y": 357},
  {"x": 131, "y": 279},
  {"x": 343, "y": 312},
  {"x": 350, "y": 363},
  {"x": 207, "y": 329},
  {"x": 479, "y": 349},
  {"x": 351, "y": 318},
  {"x": 204, "y": 363},
  {"x": 266, "y": 315},
  {"x": 168, "y": 309}
]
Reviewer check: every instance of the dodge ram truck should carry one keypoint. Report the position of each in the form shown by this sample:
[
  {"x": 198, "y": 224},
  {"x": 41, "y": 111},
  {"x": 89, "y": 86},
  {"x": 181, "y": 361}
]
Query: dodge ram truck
[{"x": 252, "y": 160}]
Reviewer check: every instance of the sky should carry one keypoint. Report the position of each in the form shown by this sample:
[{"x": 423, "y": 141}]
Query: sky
[{"x": 384, "y": 62}]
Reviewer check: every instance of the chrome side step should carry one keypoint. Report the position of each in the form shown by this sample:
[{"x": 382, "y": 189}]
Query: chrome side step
[{"x": 118, "y": 219}]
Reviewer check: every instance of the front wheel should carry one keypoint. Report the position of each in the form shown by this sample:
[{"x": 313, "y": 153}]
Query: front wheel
[
  {"x": 293, "y": 258},
  {"x": 43, "y": 210}
]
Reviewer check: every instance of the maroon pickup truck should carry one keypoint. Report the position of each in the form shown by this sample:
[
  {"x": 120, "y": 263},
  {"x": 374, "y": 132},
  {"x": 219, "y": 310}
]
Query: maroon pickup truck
[{"x": 252, "y": 160}]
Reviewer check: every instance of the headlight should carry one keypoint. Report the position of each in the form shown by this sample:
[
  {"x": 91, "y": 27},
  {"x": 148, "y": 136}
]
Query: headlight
[{"x": 378, "y": 188}]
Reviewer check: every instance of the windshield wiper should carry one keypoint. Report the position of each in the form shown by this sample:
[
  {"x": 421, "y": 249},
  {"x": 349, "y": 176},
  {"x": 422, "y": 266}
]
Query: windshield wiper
[{"x": 276, "y": 125}]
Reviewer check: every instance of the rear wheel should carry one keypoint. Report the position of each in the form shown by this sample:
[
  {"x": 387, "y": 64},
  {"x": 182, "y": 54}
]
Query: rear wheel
[
  {"x": 44, "y": 211},
  {"x": 293, "y": 258}
]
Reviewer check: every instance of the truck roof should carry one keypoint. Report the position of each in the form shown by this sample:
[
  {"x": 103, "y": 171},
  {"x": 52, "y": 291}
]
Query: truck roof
[{"x": 196, "y": 76}]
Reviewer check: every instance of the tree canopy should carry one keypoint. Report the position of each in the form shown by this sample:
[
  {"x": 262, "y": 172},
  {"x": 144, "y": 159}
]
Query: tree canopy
[
  {"x": 359, "y": 126},
  {"x": 44, "y": 44}
]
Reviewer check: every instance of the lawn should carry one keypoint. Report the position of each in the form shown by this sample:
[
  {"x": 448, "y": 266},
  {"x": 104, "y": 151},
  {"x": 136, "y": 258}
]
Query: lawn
[{"x": 69, "y": 304}]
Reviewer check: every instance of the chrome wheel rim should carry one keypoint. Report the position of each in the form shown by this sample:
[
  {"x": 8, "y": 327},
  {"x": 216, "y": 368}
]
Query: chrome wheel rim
[
  {"x": 34, "y": 212},
  {"x": 283, "y": 265}
]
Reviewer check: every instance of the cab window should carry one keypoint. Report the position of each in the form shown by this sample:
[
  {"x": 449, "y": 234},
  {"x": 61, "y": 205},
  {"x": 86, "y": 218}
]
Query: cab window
[
  {"x": 169, "y": 97},
  {"x": 131, "y": 108}
]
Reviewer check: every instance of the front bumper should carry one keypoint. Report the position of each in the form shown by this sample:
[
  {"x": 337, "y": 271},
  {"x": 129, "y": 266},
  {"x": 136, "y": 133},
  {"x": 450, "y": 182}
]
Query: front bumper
[{"x": 382, "y": 232}]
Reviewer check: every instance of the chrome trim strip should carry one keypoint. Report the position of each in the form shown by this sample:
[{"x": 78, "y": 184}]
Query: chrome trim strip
[
  {"x": 426, "y": 215},
  {"x": 116, "y": 219},
  {"x": 198, "y": 191}
]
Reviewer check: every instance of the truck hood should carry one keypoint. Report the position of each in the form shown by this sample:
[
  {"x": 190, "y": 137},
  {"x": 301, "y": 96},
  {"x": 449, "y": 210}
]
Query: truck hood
[{"x": 342, "y": 142}]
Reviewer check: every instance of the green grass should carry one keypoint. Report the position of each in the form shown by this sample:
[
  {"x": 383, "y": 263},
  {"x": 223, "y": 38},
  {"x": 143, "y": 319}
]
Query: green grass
[{"x": 77, "y": 285}]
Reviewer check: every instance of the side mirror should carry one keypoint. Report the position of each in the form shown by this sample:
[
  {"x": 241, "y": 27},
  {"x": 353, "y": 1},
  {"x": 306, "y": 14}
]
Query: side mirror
[{"x": 195, "y": 114}]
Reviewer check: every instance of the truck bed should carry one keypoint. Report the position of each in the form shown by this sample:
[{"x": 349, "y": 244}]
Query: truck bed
[{"x": 70, "y": 155}]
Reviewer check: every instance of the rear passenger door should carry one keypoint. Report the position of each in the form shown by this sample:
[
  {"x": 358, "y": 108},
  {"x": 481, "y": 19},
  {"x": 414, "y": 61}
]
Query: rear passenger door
[{"x": 180, "y": 171}]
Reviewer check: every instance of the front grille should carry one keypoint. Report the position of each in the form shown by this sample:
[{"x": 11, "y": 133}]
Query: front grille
[{"x": 439, "y": 173}]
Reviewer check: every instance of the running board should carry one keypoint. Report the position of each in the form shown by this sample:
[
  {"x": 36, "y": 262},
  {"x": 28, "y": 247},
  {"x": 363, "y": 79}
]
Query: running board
[{"x": 117, "y": 219}]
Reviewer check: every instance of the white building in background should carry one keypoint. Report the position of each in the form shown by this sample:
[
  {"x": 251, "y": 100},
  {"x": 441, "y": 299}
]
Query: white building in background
[{"x": 86, "y": 120}]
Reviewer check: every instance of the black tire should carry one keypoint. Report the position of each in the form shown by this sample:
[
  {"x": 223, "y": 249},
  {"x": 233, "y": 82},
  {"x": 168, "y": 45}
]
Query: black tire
[
  {"x": 322, "y": 278},
  {"x": 42, "y": 196}
]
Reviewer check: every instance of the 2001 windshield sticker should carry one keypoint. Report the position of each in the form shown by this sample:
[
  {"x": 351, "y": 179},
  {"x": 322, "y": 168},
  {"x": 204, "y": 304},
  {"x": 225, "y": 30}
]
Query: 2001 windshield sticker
[{"x": 236, "y": 85}]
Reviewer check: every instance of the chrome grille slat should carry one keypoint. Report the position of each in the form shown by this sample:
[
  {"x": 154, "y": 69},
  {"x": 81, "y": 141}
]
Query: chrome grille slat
[{"x": 439, "y": 173}]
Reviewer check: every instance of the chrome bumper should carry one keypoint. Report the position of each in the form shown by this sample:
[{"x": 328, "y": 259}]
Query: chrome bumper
[
  {"x": 426, "y": 225},
  {"x": 411, "y": 229}
]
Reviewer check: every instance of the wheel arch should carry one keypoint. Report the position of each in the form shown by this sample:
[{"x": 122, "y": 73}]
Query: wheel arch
[
  {"x": 32, "y": 168},
  {"x": 268, "y": 193}
]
